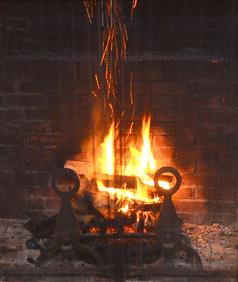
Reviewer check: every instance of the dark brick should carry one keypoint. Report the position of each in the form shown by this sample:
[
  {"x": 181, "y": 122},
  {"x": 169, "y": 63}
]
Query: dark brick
[
  {"x": 59, "y": 126},
  {"x": 7, "y": 177},
  {"x": 41, "y": 153},
  {"x": 190, "y": 205},
  {"x": 40, "y": 114},
  {"x": 224, "y": 206},
  {"x": 8, "y": 114},
  {"x": 188, "y": 154},
  {"x": 229, "y": 168},
  {"x": 23, "y": 100},
  {"x": 216, "y": 115},
  {"x": 9, "y": 164},
  {"x": 48, "y": 165},
  {"x": 46, "y": 140},
  {"x": 207, "y": 128},
  {"x": 34, "y": 86},
  {"x": 228, "y": 128},
  {"x": 217, "y": 141},
  {"x": 228, "y": 155},
  {"x": 7, "y": 86},
  {"x": 11, "y": 139},
  {"x": 168, "y": 115},
  {"x": 9, "y": 152},
  {"x": 30, "y": 178}
]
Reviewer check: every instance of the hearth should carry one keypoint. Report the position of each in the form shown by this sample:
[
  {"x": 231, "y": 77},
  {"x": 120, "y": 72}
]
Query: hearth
[
  {"x": 118, "y": 139},
  {"x": 107, "y": 243}
]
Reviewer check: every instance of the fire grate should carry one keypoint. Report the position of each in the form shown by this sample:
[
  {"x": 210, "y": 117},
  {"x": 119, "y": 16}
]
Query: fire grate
[{"x": 65, "y": 238}]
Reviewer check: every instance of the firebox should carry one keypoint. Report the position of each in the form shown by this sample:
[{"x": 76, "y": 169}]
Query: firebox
[{"x": 118, "y": 139}]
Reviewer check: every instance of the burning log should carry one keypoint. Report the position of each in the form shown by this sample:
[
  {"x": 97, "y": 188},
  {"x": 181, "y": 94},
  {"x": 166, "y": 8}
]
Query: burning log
[{"x": 118, "y": 181}]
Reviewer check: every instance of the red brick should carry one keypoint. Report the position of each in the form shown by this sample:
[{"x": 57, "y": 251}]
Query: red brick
[
  {"x": 184, "y": 193},
  {"x": 190, "y": 205},
  {"x": 186, "y": 166},
  {"x": 191, "y": 181}
]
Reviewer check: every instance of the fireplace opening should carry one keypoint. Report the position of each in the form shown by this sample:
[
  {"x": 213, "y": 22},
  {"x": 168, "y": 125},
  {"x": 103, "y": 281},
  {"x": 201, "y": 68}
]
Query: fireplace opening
[{"x": 118, "y": 139}]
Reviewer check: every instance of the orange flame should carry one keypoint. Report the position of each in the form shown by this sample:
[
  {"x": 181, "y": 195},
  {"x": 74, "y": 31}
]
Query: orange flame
[
  {"x": 141, "y": 164},
  {"x": 142, "y": 161},
  {"x": 107, "y": 156},
  {"x": 124, "y": 209}
]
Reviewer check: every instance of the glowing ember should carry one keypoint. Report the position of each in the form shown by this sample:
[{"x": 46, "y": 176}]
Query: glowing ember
[
  {"x": 124, "y": 209},
  {"x": 94, "y": 230}
]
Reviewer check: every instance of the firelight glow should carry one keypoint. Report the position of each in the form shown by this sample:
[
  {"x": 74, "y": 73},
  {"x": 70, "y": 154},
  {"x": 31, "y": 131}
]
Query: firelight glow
[
  {"x": 107, "y": 160},
  {"x": 141, "y": 164}
]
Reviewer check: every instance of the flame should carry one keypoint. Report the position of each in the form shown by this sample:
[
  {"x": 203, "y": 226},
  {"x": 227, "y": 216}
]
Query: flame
[
  {"x": 124, "y": 209},
  {"x": 164, "y": 184},
  {"x": 141, "y": 164},
  {"x": 121, "y": 194},
  {"x": 107, "y": 158}
]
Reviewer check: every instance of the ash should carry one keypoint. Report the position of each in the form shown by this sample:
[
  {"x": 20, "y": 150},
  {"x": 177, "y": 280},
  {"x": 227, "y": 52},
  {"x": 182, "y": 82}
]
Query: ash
[{"x": 216, "y": 244}]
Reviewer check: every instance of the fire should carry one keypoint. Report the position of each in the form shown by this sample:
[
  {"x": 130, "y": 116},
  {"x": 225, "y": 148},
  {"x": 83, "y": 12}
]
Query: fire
[
  {"x": 107, "y": 158},
  {"x": 164, "y": 184},
  {"x": 124, "y": 209},
  {"x": 120, "y": 193},
  {"x": 141, "y": 164}
]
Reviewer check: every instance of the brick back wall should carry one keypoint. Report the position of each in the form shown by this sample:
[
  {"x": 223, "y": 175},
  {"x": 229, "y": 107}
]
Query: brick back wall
[
  {"x": 45, "y": 104},
  {"x": 42, "y": 120},
  {"x": 45, "y": 109},
  {"x": 196, "y": 104}
]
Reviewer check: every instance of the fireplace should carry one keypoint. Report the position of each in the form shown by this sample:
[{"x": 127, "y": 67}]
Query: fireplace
[{"x": 179, "y": 79}]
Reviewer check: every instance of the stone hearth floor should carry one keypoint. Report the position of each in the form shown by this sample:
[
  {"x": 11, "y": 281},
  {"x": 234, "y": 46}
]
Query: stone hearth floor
[{"x": 216, "y": 244}]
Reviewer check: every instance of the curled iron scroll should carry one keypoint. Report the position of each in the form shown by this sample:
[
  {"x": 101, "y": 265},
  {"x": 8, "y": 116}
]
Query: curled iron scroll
[
  {"x": 68, "y": 173},
  {"x": 172, "y": 190}
]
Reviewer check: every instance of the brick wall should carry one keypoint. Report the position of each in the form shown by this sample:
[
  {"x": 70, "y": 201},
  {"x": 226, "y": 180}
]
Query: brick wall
[{"x": 45, "y": 104}]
